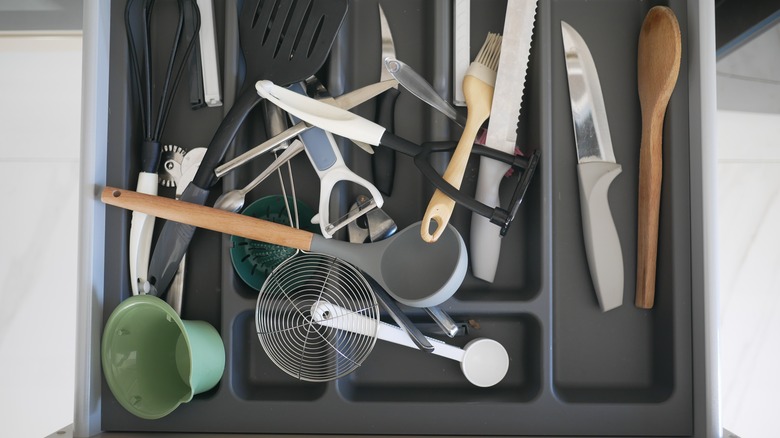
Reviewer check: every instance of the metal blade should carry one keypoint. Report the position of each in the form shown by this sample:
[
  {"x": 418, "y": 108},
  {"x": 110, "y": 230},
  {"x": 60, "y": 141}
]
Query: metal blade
[
  {"x": 591, "y": 130},
  {"x": 388, "y": 48},
  {"x": 510, "y": 79},
  {"x": 354, "y": 98}
]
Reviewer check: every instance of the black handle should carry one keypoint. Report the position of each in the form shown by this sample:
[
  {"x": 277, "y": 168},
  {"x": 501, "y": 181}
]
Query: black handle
[
  {"x": 172, "y": 244},
  {"x": 205, "y": 177},
  {"x": 383, "y": 160},
  {"x": 497, "y": 215},
  {"x": 150, "y": 156}
]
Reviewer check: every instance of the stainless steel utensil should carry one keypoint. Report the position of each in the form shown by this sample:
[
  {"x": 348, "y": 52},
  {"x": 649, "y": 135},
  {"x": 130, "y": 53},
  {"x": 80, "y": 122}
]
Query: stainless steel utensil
[
  {"x": 378, "y": 225},
  {"x": 400, "y": 317},
  {"x": 443, "y": 320},
  {"x": 287, "y": 330},
  {"x": 275, "y": 123},
  {"x": 234, "y": 200}
]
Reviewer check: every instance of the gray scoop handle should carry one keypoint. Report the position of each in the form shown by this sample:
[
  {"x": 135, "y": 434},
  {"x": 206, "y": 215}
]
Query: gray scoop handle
[{"x": 414, "y": 272}]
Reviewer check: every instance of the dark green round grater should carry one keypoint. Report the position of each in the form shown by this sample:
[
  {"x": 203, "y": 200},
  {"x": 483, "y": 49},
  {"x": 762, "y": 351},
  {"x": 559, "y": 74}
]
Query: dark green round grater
[{"x": 254, "y": 260}]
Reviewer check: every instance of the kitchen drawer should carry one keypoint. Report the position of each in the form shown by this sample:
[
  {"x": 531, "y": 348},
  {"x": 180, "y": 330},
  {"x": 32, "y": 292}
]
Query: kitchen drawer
[{"x": 574, "y": 370}]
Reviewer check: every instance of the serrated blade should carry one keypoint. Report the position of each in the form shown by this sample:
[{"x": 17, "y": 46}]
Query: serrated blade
[
  {"x": 591, "y": 130},
  {"x": 510, "y": 78}
]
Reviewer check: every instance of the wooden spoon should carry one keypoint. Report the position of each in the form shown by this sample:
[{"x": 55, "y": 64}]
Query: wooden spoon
[{"x": 659, "y": 54}]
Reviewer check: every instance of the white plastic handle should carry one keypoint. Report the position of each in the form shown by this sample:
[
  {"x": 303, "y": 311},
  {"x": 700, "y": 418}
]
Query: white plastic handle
[
  {"x": 485, "y": 236},
  {"x": 328, "y": 180},
  {"x": 320, "y": 114},
  {"x": 484, "y": 362},
  {"x": 602, "y": 245},
  {"x": 331, "y": 315},
  {"x": 141, "y": 228}
]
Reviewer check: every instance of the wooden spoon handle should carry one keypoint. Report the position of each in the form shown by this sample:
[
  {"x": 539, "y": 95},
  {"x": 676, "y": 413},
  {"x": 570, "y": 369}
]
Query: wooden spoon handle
[
  {"x": 650, "y": 174},
  {"x": 658, "y": 65},
  {"x": 208, "y": 218}
]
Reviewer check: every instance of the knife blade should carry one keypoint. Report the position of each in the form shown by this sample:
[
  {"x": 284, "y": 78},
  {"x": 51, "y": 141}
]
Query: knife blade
[
  {"x": 383, "y": 159},
  {"x": 502, "y": 131},
  {"x": 596, "y": 169}
]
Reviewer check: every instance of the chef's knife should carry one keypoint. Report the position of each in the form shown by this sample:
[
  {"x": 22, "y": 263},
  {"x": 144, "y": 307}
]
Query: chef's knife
[
  {"x": 383, "y": 159},
  {"x": 596, "y": 170},
  {"x": 502, "y": 131}
]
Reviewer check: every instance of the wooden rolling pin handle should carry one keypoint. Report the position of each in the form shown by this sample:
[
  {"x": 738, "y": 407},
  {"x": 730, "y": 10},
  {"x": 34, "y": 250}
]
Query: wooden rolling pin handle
[{"x": 208, "y": 218}]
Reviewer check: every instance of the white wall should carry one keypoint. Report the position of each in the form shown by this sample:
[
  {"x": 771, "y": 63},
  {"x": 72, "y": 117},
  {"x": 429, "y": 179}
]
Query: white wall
[
  {"x": 749, "y": 238},
  {"x": 40, "y": 88}
]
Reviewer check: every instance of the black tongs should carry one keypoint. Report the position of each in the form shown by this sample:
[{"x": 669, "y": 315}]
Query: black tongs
[{"x": 349, "y": 125}]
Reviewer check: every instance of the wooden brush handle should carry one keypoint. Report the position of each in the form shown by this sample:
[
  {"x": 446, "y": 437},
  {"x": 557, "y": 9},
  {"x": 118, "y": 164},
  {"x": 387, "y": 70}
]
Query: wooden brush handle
[
  {"x": 650, "y": 174},
  {"x": 440, "y": 206},
  {"x": 208, "y": 218}
]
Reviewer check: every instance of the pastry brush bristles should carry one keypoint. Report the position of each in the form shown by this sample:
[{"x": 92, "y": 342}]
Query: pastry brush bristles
[
  {"x": 490, "y": 52},
  {"x": 486, "y": 63}
]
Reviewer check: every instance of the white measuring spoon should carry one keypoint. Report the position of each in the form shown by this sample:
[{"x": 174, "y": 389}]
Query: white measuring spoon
[{"x": 483, "y": 361}]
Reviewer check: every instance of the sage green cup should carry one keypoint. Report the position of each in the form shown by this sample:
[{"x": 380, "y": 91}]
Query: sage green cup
[{"x": 153, "y": 361}]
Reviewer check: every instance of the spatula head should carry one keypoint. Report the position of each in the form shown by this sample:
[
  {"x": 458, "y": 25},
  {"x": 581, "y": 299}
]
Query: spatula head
[{"x": 286, "y": 41}]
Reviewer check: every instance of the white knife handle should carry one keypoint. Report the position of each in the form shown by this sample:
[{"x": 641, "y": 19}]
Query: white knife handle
[
  {"x": 602, "y": 244},
  {"x": 485, "y": 236},
  {"x": 141, "y": 227}
]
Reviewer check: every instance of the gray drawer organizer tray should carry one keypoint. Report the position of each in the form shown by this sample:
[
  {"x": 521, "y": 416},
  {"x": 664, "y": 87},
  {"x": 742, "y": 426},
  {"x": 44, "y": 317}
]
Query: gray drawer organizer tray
[{"x": 573, "y": 369}]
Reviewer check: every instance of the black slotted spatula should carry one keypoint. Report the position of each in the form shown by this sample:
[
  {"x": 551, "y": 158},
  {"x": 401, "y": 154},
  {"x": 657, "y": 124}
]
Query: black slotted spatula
[{"x": 284, "y": 41}]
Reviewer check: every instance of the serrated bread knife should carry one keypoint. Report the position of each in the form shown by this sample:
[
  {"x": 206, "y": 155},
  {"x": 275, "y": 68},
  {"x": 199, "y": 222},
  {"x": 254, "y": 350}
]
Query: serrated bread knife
[
  {"x": 596, "y": 170},
  {"x": 502, "y": 131}
]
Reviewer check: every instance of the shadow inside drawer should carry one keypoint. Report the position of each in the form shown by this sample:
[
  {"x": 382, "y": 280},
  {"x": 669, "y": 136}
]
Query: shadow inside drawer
[{"x": 255, "y": 377}]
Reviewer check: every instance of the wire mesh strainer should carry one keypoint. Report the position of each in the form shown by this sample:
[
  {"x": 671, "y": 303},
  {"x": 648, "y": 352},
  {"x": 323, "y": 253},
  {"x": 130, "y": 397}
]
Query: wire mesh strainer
[{"x": 290, "y": 336}]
